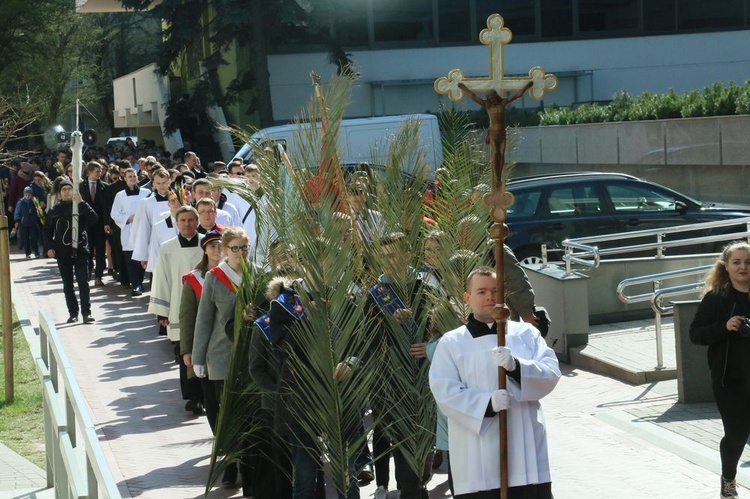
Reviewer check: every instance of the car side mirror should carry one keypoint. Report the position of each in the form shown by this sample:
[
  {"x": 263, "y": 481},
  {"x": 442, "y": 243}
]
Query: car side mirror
[{"x": 680, "y": 206}]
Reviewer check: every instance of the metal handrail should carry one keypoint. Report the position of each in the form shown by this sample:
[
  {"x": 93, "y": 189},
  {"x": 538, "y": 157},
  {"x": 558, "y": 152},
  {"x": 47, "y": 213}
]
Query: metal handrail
[
  {"x": 589, "y": 250},
  {"x": 73, "y": 473},
  {"x": 658, "y": 294}
]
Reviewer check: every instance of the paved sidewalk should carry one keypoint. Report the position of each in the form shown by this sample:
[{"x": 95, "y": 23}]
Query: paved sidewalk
[
  {"x": 20, "y": 478},
  {"x": 607, "y": 439}
]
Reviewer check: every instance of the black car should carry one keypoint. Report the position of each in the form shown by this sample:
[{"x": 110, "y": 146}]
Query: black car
[{"x": 551, "y": 208}]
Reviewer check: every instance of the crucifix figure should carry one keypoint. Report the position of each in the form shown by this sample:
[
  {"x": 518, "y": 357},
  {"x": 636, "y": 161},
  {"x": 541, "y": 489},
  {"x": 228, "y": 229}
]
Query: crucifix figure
[
  {"x": 455, "y": 85},
  {"x": 496, "y": 135}
]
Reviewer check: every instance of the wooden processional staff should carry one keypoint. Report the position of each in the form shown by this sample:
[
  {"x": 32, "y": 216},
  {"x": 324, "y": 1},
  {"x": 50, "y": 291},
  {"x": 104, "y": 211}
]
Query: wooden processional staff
[{"x": 495, "y": 36}]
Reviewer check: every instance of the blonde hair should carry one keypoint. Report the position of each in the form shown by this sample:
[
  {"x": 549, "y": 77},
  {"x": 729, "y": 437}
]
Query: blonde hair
[
  {"x": 717, "y": 278},
  {"x": 231, "y": 233}
]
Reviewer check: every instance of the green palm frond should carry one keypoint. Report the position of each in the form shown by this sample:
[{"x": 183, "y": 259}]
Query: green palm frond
[
  {"x": 239, "y": 428},
  {"x": 307, "y": 207}
]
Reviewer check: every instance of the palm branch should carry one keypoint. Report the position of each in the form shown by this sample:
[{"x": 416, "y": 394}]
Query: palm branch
[{"x": 238, "y": 429}]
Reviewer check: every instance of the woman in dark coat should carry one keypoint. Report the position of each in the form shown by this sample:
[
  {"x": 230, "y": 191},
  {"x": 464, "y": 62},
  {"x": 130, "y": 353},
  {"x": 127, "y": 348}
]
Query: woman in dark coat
[{"x": 721, "y": 323}]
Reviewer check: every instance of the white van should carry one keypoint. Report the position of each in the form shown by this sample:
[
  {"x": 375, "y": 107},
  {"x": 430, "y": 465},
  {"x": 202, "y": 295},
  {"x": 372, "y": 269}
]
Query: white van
[{"x": 359, "y": 138}]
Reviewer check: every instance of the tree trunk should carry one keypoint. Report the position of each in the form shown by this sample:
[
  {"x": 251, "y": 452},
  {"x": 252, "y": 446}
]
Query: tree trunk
[{"x": 259, "y": 62}]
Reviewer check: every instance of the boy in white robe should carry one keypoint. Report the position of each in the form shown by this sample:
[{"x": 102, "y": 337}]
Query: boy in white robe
[
  {"x": 463, "y": 379},
  {"x": 123, "y": 211},
  {"x": 147, "y": 214}
]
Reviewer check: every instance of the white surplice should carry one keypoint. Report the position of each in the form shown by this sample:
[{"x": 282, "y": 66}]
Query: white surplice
[
  {"x": 166, "y": 290},
  {"x": 463, "y": 376},
  {"x": 161, "y": 232},
  {"x": 146, "y": 215},
  {"x": 123, "y": 207}
]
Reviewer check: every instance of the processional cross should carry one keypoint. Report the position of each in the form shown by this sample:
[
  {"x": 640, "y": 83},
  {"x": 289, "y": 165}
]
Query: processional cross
[{"x": 455, "y": 85}]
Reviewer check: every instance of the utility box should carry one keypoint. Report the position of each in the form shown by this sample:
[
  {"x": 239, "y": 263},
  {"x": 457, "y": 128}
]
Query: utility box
[
  {"x": 693, "y": 375},
  {"x": 565, "y": 296}
]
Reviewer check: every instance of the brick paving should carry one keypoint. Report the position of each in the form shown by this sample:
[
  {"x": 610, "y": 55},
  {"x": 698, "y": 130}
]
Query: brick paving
[{"x": 607, "y": 439}]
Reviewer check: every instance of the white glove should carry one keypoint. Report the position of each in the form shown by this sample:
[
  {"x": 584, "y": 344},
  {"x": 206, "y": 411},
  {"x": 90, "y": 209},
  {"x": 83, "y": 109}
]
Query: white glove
[
  {"x": 503, "y": 358},
  {"x": 499, "y": 400},
  {"x": 200, "y": 371}
]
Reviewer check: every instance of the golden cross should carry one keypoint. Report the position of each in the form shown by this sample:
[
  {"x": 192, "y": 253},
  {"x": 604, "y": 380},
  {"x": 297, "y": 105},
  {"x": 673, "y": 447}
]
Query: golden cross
[{"x": 495, "y": 36}]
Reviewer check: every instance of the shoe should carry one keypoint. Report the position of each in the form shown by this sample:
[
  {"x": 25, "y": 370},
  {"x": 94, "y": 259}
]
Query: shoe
[
  {"x": 194, "y": 406},
  {"x": 728, "y": 489},
  {"x": 98, "y": 282},
  {"x": 28, "y": 256},
  {"x": 137, "y": 291},
  {"x": 381, "y": 493},
  {"x": 366, "y": 475},
  {"x": 37, "y": 256},
  {"x": 437, "y": 459},
  {"x": 229, "y": 480},
  {"x": 110, "y": 272},
  {"x": 87, "y": 319},
  {"x": 72, "y": 319}
]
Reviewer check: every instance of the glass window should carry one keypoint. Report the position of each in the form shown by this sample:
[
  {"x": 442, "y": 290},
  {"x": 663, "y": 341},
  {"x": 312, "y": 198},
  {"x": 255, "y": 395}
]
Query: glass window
[
  {"x": 578, "y": 200},
  {"x": 399, "y": 21},
  {"x": 607, "y": 15},
  {"x": 517, "y": 14},
  {"x": 557, "y": 18},
  {"x": 700, "y": 14},
  {"x": 454, "y": 23},
  {"x": 639, "y": 198},
  {"x": 659, "y": 15},
  {"x": 525, "y": 204},
  {"x": 350, "y": 23}
]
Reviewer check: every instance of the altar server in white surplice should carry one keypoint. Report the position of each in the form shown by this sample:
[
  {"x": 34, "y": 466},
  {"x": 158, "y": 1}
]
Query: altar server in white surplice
[
  {"x": 463, "y": 379},
  {"x": 162, "y": 231},
  {"x": 123, "y": 211},
  {"x": 177, "y": 257},
  {"x": 147, "y": 215}
]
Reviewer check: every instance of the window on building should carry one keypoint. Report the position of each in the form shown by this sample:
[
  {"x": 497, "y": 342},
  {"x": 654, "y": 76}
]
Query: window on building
[
  {"x": 454, "y": 21},
  {"x": 350, "y": 24},
  {"x": 557, "y": 18},
  {"x": 518, "y": 15},
  {"x": 607, "y": 15},
  {"x": 400, "y": 21},
  {"x": 701, "y": 14},
  {"x": 659, "y": 16}
]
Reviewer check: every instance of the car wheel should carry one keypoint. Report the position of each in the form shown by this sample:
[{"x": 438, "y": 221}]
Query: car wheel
[{"x": 529, "y": 256}]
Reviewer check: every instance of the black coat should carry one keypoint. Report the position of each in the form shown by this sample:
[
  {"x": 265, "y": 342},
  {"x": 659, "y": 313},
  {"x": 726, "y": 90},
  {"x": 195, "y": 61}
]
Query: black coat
[
  {"x": 99, "y": 204},
  {"x": 58, "y": 228},
  {"x": 709, "y": 327}
]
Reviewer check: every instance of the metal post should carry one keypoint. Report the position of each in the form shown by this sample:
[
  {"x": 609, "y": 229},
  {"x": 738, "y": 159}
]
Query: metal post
[{"x": 657, "y": 330}]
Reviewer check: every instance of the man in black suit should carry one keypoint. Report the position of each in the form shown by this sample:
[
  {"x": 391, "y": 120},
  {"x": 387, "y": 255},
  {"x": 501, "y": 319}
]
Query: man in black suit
[{"x": 93, "y": 191}]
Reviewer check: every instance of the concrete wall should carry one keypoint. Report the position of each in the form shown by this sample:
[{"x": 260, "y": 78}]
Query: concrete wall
[{"x": 706, "y": 158}]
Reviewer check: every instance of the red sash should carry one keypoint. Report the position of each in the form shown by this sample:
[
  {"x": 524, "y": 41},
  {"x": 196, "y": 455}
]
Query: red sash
[
  {"x": 224, "y": 279},
  {"x": 191, "y": 279}
]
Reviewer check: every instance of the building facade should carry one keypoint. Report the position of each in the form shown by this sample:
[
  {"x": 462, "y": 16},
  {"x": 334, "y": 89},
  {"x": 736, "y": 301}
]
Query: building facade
[{"x": 595, "y": 48}]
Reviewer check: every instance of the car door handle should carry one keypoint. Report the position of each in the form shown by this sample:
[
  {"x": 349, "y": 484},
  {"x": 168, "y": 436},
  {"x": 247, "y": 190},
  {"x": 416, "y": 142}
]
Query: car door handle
[
  {"x": 557, "y": 226},
  {"x": 633, "y": 222}
]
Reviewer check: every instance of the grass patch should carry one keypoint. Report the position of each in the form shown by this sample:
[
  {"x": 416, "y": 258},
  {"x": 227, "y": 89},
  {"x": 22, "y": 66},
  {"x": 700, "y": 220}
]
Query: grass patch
[{"x": 22, "y": 422}]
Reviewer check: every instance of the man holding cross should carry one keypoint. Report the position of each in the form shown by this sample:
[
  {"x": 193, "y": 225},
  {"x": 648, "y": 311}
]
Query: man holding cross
[{"x": 463, "y": 380}]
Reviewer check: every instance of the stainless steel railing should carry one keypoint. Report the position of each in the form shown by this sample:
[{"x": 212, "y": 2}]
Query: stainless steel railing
[
  {"x": 76, "y": 465},
  {"x": 584, "y": 250},
  {"x": 658, "y": 293}
]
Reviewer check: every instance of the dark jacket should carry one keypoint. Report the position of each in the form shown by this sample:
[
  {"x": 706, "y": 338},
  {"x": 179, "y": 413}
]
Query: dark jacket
[
  {"x": 58, "y": 228},
  {"x": 25, "y": 213},
  {"x": 709, "y": 328},
  {"x": 100, "y": 202}
]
